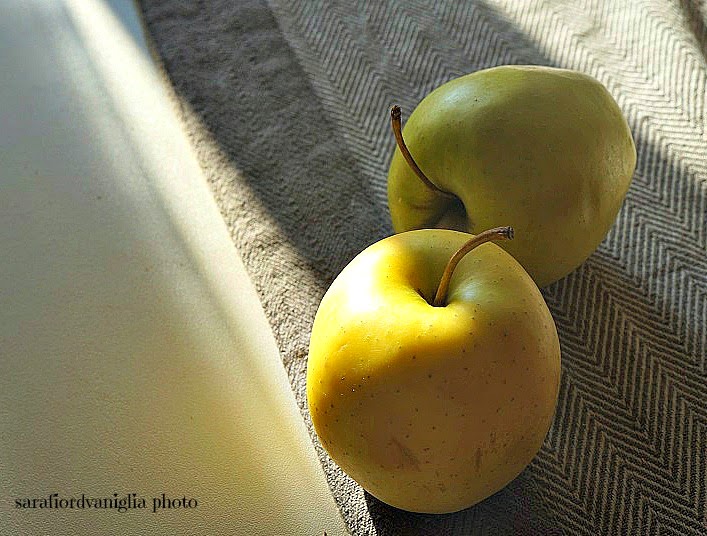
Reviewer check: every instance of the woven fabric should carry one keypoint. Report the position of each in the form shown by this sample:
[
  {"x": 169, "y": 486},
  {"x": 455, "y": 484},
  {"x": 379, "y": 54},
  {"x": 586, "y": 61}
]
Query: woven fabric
[{"x": 287, "y": 102}]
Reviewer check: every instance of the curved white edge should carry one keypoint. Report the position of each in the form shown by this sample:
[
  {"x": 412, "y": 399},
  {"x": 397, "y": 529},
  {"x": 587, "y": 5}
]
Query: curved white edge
[{"x": 135, "y": 358}]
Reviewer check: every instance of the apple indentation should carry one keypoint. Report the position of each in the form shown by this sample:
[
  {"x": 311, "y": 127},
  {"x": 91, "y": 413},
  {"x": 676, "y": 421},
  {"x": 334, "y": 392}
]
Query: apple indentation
[
  {"x": 497, "y": 233},
  {"x": 396, "y": 125}
]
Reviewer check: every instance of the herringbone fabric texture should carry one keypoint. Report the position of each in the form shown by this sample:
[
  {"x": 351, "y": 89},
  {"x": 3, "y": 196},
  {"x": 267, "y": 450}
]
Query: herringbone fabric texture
[{"x": 286, "y": 103}]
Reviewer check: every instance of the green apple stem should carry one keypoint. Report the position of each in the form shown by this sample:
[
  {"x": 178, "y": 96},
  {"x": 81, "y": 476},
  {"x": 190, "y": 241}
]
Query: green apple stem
[
  {"x": 396, "y": 124},
  {"x": 497, "y": 233}
]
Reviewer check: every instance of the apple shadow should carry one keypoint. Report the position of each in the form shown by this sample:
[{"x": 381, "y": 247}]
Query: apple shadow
[
  {"x": 629, "y": 323},
  {"x": 518, "y": 509}
]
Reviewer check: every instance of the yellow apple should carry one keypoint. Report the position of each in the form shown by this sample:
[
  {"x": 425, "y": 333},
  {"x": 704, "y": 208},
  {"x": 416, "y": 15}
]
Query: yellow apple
[
  {"x": 432, "y": 408},
  {"x": 544, "y": 150}
]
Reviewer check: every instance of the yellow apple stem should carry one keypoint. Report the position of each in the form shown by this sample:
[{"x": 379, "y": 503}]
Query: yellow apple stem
[
  {"x": 497, "y": 233},
  {"x": 396, "y": 124}
]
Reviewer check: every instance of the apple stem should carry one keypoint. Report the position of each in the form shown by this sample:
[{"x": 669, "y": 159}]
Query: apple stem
[
  {"x": 497, "y": 233},
  {"x": 396, "y": 124}
]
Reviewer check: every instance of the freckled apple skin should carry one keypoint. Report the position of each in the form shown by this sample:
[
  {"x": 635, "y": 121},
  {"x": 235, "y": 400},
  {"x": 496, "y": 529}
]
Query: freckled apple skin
[
  {"x": 546, "y": 151},
  {"x": 432, "y": 409}
]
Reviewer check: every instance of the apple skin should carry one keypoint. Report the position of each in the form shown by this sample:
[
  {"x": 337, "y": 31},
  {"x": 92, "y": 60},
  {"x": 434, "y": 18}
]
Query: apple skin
[
  {"x": 544, "y": 150},
  {"x": 432, "y": 409}
]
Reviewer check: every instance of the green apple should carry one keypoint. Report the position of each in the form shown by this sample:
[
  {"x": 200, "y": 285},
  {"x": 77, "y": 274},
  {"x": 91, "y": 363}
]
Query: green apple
[
  {"x": 544, "y": 150},
  {"x": 433, "y": 404}
]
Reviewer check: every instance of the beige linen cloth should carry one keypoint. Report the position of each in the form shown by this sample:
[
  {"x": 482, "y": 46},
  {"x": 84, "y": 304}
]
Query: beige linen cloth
[{"x": 286, "y": 102}]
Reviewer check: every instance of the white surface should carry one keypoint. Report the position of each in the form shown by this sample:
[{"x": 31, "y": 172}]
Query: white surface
[{"x": 134, "y": 354}]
